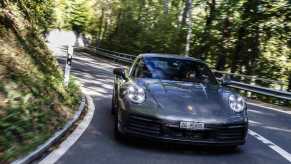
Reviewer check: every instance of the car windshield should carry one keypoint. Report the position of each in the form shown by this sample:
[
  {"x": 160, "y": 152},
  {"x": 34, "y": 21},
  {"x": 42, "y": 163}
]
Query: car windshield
[{"x": 174, "y": 69}]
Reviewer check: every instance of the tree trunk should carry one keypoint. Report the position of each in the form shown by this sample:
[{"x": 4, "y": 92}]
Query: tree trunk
[
  {"x": 116, "y": 30},
  {"x": 206, "y": 34},
  {"x": 235, "y": 60},
  {"x": 247, "y": 48},
  {"x": 3, "y": 3},
  {"x": 142, "y": 4},
  {"x": 189, "y": 34},
  {"x": 166, "y": 7},
  {"x": 103, "y": 35},
  {"x": 255, "y": 51},
  {"x": 180, "y": 40},
  {"x": 221, "y": 61},
  {"x": 185, "y": 13},
  {"x": 100, "y": 26},
  {"x": 289, "y": 82},
  {"x": 240, "y": 42}
]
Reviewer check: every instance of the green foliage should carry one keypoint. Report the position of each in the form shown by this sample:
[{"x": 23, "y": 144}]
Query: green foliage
[
  {"x": 78, "y": 15},
  {"x": 40, "y": 13},
  {"x": 33, "y": 101},
  {"x": 242, "y": 36}
]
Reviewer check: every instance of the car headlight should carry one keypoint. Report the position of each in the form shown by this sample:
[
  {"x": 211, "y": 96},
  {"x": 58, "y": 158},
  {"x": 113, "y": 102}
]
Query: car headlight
[
  {"x": 136, "y": 94},
  {"x": 236, "y": 103}
]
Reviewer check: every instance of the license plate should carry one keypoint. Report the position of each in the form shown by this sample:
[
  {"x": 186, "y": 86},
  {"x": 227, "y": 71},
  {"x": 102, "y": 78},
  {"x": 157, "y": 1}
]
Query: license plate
[{"x": 192, "y": 125}]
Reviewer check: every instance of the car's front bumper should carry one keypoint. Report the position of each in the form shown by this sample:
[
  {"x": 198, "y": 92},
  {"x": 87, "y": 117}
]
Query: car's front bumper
[{"x": 163, "y": 130}]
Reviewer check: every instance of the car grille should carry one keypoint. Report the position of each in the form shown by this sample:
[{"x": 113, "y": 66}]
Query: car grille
[
  {"x": 145, "y": 125},
  {"x": 213, "y": 132},
  {"x": 228, "y": 132}
]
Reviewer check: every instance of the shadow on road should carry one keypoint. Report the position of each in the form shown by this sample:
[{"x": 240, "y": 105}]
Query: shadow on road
[{"x": 172, "y": 148}]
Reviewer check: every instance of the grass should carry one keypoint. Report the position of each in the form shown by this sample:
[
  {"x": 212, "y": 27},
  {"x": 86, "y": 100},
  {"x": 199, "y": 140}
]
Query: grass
[{"x": 33, "y": 101}]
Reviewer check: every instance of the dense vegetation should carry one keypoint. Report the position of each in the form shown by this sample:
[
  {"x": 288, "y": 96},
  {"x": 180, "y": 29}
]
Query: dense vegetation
[
  {"x": 33, "y": 100},
  {"x": 251, "y": 37}
]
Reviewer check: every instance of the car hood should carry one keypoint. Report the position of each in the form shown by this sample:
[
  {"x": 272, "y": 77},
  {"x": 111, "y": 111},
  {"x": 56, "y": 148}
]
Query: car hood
[{"x": 187, "y": 100}]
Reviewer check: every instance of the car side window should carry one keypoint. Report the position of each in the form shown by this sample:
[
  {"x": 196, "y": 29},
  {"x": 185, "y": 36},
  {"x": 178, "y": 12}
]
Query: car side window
[
  {"x": 133, "y": 68},
  {"x": 205, "y": 74},
  {"x": 142, "y": 70}
]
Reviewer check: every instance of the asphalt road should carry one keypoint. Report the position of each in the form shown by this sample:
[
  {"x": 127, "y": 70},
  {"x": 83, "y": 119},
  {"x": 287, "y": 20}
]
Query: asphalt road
[{"x": 98, "y": 146}]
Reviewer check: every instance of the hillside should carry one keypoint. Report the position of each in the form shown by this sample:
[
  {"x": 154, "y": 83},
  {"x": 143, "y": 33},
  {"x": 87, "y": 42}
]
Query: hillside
[{"x": 33, "y": 100}]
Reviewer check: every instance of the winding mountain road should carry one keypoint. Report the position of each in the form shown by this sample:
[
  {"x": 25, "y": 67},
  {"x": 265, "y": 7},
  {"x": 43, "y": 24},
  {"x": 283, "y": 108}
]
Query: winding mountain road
[{"x": 268, "y": 142}]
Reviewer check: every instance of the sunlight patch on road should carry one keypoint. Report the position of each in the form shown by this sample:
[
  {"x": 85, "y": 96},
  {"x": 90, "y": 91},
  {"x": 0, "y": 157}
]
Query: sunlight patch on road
[{"x": 99, "y": 82}]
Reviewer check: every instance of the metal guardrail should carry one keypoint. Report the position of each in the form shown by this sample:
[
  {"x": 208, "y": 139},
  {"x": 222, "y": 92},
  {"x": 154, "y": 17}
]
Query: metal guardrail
[
  {"x": 128, "y": 59},
  {"x": 115, "y": 56},
  {"x": 253, "y": 79},
  {"x": 261, "y": 90}
]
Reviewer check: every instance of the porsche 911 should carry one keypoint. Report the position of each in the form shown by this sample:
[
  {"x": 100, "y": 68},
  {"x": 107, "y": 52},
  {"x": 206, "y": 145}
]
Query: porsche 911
[{"x": 177, "y": 99}]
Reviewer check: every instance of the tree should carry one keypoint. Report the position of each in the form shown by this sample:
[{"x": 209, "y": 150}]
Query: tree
[
  {"x": 40, "y": 13},
  {"x": 189, "y": 34},
  {"x": 289, "y": 82},
  {"x": 206, "y": 35},
  {"x": 166, "y": 7},
  {"x": 242, "y": 36},
  {"x": 78, "y": 17}
]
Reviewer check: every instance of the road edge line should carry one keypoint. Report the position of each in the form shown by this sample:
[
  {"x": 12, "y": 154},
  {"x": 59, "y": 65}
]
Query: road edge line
[
  {"x": 283, "y": 153},
  {"x": 53, "y": 139},
  {"x": 269, "y": 108},
  {"x": 55, "y": 155}
]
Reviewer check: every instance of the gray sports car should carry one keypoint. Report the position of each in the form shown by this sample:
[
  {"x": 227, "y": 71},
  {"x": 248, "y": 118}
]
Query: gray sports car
[{"x": 177, "y": 99}]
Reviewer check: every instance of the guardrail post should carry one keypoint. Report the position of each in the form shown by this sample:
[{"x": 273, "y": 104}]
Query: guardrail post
[
  {"x": 70, "y": 53},
  {"x": 253, "y": 82},
  {"x": 281, "y": 87}
]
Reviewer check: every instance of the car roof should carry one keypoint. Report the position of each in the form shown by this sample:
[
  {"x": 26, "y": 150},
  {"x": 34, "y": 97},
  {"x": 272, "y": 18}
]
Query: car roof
[{"x": 172, "y": 56}]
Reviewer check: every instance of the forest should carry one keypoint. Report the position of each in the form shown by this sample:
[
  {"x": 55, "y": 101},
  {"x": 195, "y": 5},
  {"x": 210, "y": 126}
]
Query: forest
[
  {"x": 34, "y": 103},
  {"x": 251, "y": 37}
]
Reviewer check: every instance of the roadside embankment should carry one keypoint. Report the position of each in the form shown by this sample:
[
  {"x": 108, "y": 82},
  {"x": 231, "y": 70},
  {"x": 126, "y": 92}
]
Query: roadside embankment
[{"x": 33, "y": 101}]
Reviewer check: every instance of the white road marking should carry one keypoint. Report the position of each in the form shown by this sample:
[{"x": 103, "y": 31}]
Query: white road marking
[
  {"x": 271, "y": 145},
  {"x": 54, "y": 156},
  {"x": 254, "y": 122},
  {"x": 64, "y": 147},
  {"x": 255, "y": 111},
  {"x": 259, "y": 124},
  {"x": 270, "y": 108}
]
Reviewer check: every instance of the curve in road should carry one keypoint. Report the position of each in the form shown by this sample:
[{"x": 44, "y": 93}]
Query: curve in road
[{"x": 268, "y": 143}]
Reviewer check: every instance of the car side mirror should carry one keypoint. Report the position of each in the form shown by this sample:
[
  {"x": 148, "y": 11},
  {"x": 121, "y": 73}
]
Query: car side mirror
[{"x": 121, "y": 72}]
